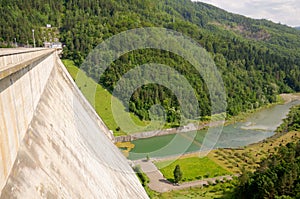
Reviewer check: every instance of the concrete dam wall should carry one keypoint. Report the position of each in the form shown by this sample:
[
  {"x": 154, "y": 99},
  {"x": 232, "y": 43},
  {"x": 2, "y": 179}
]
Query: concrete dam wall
[{"x": 52, "y": 143}]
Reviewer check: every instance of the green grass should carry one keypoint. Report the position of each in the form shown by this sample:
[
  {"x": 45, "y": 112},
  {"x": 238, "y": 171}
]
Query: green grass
[
  {"x": 193, "y": 168},
  {"x": 101, "y": 100},
  {"x": 250, "y": 156}
]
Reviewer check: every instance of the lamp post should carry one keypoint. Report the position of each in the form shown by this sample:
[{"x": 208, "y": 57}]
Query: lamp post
[
  {"x": 16, "y": 45},
  {"x": 33, "y": 38}
]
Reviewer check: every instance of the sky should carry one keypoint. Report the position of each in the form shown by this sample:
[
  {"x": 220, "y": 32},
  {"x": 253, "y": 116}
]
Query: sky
[{"x": 283, "y": 11}]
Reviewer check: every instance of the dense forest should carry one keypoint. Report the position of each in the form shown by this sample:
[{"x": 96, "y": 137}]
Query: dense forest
[{"x": 258, "y": 59}]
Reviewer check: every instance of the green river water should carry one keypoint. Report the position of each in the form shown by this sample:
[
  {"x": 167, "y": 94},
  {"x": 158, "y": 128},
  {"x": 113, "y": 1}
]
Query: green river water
[{"x": 257, "y": 127}]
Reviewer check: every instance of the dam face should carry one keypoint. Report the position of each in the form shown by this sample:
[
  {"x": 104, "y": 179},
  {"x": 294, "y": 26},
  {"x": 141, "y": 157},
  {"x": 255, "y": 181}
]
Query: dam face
[{"x": 52, "y": 143}]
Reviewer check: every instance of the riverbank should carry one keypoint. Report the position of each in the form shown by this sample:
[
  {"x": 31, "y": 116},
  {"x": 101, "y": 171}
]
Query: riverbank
[
  {"x": 195, "y": 126},
  {"x": 188, "y": 128},
  {"x": 289, "y": 97},
  {"x": 200, "y": 125}
]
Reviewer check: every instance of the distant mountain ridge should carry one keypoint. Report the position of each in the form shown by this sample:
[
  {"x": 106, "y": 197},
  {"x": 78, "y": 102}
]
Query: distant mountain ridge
[{"x": 258, "y": 59}]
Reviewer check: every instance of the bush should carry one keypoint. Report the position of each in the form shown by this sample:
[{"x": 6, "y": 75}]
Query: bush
[
  {"x": 143, "y": 178},
  {"x": 206, "y": 175}
]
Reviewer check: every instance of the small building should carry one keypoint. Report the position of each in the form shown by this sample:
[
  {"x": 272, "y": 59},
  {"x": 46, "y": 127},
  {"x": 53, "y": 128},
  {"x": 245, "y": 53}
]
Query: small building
[
  {"x": 56, "y": 45},
  {"x": 48, "y": 25},
  {"x": 47, "y": 44}
]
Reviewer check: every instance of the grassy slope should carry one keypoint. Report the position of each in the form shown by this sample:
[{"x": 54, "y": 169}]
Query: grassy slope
[
  {"x": 249, "y": 157},
  {"x": 193, "y": 168},
  {"x": 102, "y": 100}
]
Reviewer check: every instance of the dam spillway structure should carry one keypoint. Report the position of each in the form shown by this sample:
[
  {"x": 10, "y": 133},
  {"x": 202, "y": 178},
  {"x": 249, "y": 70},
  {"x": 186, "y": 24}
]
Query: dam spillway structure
[{"x": 52, "y": 142}]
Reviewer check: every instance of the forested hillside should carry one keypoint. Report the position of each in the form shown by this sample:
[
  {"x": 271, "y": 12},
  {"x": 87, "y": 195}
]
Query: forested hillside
[
  {"x": 277, "y": 176},
  {"x": 258, "y": 59}
]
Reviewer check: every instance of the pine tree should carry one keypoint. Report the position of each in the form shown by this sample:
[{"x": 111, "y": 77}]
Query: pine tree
[{"x": 177, "y": 174}]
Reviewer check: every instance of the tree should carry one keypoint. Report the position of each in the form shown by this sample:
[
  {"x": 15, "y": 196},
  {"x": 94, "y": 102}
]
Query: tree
[{"x": 177, "y": 174}]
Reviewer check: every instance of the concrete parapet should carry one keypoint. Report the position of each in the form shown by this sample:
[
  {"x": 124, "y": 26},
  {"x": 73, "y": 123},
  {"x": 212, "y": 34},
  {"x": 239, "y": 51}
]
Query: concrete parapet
[
  {"x": 12, "y": 60},
  {"x": 19, "y": 96}
]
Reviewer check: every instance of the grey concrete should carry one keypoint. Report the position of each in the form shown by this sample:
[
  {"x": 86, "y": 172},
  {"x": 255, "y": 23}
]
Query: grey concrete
[
  {"x": 19, "y": 96},
  {"x": 13, "y": 60},
  {"x": 53, "y": 144}
]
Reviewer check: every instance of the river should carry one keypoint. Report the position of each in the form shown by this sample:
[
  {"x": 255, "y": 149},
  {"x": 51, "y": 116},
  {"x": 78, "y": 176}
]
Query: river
[{"x": 257, "y": 127}]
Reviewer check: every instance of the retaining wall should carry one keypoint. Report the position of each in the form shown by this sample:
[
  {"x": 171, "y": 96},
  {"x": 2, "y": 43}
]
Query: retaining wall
[{"x": 148, "y": 134}]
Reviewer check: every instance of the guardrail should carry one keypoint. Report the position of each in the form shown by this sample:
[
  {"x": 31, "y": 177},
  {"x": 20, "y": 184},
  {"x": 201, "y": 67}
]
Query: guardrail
[{"x": 13, "y": 60}]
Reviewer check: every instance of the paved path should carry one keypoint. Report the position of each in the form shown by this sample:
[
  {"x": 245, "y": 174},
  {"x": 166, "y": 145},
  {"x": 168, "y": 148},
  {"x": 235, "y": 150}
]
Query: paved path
[{"x": 160, "y": 184}]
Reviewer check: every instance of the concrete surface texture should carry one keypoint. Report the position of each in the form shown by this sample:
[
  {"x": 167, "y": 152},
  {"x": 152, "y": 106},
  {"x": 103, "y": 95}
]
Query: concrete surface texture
[{"x": 53, "y": 144}]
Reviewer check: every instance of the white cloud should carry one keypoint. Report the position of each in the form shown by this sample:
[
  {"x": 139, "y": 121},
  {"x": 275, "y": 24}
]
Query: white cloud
[{"x": 283, "y": 11}]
